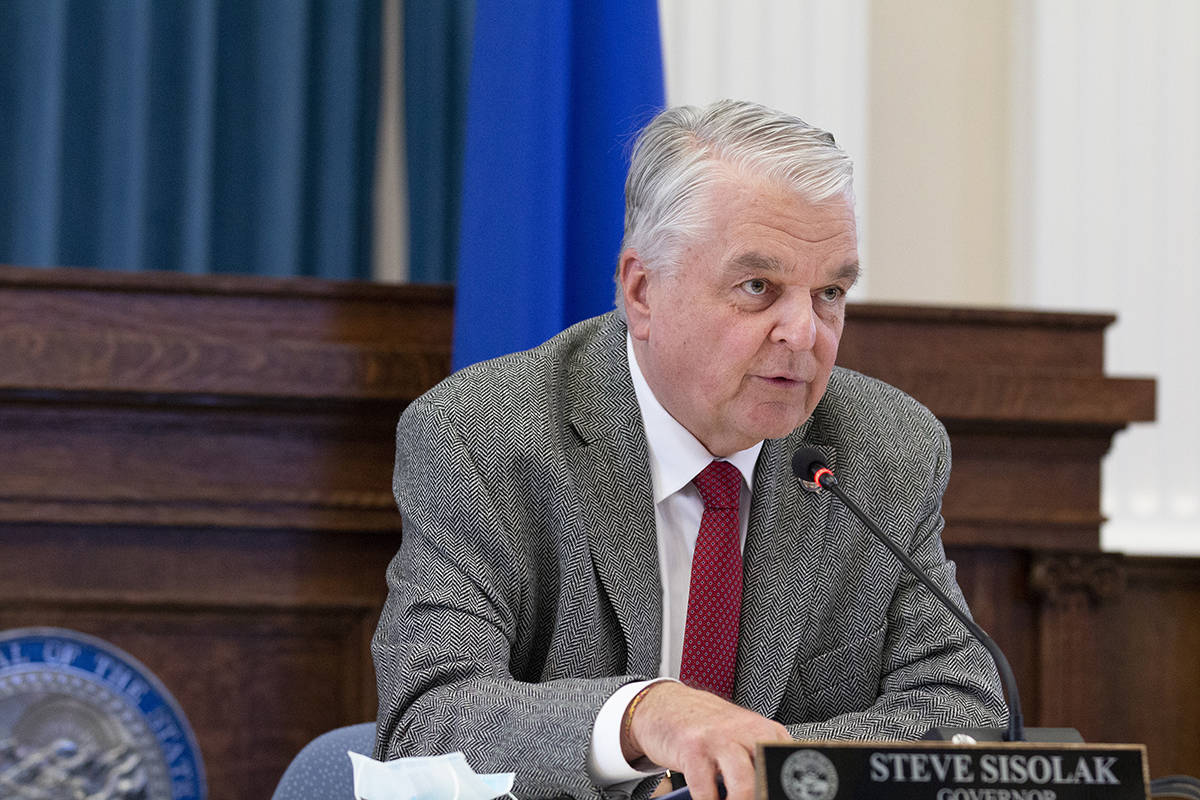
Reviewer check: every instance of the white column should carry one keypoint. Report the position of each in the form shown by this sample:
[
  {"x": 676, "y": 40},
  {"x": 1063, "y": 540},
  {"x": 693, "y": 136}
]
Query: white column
[
  {"x": 1106, "y": 211},
  {"x": 389, "y": 245}
]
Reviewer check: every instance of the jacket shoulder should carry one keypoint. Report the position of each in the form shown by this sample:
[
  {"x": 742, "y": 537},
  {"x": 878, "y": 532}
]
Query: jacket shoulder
[
  {"x": 862, "y": 414},
  {"x": 517, "y": 378},
  {"x": 529, "y": 398}
]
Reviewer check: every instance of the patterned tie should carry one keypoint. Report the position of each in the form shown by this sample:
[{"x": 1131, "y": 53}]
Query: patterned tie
[{"x": 715, "y": 594}]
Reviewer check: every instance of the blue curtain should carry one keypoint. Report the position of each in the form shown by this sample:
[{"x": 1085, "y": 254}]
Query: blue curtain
[
  {"x": 558, "y": 89},
  {"x": 201, "y": 136},
  {"x": 437, "y": 62}
]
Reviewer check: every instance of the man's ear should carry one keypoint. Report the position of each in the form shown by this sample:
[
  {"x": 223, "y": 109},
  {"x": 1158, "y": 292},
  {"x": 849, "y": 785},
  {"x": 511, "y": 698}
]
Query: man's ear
[{"x": 635, "y": 285}]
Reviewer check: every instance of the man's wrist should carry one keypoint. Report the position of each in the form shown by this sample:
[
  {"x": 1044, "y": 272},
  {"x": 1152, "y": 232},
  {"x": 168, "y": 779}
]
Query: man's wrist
[
  {"x": 607, "y": 764},
  {"x": 629, "y": 748}
]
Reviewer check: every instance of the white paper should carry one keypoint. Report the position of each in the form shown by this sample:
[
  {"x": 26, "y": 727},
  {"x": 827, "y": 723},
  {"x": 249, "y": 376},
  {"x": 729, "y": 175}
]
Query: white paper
[{"x": 447, "y": 777}]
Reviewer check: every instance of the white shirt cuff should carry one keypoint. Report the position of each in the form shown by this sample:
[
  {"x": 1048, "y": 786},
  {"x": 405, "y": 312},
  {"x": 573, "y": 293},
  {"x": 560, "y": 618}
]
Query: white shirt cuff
[{"x": 606, "y": 762}]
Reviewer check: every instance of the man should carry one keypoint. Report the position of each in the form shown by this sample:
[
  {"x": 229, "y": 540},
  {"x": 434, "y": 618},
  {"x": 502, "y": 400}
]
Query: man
[{"x": 564, "y": 545}]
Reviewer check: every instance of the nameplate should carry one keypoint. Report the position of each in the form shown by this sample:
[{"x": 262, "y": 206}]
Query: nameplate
[{"x": 942, "y": 771}]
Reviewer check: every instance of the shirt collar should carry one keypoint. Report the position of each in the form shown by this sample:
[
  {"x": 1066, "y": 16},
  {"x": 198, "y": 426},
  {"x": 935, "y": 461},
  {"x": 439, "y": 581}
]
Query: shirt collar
[{"x": 676, "y": 456}]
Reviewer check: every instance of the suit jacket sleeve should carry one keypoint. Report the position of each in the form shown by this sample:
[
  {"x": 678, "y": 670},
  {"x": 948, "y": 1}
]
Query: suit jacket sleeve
[
  {"x": 930, "y": 671},
  {"x": 457, "y": 625}
]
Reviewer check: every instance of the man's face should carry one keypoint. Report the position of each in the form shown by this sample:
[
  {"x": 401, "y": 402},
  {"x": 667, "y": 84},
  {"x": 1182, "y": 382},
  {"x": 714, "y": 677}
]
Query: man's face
[{"x": 739, "y": 341}]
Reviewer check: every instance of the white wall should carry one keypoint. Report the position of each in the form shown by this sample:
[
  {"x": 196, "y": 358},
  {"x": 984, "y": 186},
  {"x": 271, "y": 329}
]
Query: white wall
[
  {"x": 939, "y": 138},
  {"x": 1039, "y": 153},
  {"x": 1108, "y": 202}
]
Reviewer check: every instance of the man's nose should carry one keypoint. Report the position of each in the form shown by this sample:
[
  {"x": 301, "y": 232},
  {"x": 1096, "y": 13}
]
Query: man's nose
[{"x": 796, "y": 327}]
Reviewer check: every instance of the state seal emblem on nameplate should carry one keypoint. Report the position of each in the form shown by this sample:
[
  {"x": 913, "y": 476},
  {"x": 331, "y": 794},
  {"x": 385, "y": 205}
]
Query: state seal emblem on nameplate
[
  {"x": 808, "y": 775},
  {"x": 81, "y": 718}
]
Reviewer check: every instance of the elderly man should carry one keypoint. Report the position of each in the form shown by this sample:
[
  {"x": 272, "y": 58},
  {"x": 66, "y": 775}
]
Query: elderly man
[{"x": 591, "y": 519}]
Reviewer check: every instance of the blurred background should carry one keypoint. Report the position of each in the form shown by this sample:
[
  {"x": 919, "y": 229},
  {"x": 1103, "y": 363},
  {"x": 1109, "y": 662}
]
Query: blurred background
[{"x": 1010, "y": 153}]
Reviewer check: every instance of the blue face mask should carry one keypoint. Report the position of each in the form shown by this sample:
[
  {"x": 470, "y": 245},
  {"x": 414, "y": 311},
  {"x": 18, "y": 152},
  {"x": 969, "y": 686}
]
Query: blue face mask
[{"x": 444, "y": 777}]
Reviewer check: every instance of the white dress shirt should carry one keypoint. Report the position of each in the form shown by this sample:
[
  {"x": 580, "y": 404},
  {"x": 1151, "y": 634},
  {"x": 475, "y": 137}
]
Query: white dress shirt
[{"x": 676, "y": 457}]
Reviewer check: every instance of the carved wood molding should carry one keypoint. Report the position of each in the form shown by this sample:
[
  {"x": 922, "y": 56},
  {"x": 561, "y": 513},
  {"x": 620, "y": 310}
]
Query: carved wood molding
[{"x": 1058, "y": 579}]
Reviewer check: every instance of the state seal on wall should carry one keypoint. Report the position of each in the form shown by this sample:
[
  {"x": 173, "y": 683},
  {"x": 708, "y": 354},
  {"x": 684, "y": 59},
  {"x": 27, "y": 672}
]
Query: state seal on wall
[{"x": 81, "y": 718}]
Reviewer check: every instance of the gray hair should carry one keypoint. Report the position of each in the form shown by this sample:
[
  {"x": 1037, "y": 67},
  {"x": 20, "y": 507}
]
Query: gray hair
[{"x": 679, "y": 156}]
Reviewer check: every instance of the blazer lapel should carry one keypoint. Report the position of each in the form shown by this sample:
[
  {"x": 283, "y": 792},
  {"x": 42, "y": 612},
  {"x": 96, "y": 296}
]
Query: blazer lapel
[
  {"x": 612, "y": 470},
  {"x": 786, "y": 547}
]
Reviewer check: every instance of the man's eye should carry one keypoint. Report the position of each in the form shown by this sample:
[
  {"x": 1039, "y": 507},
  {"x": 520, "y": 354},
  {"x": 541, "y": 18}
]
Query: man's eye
[
  {"x": 755, "y": 286},
  {"x": 832, "y": 294}
]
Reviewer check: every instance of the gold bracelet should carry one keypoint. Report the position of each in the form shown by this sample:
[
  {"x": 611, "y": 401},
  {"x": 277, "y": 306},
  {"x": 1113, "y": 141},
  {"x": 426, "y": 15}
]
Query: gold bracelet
[{"x": 627, "y": 723}]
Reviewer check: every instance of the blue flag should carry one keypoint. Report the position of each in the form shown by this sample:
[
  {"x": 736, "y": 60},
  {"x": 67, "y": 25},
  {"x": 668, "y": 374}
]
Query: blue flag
[{"x": 558, "y": 90}]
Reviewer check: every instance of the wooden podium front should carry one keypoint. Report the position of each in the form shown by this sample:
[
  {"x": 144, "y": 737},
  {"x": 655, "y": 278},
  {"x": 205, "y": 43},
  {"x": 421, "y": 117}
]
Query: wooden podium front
[{"x": 198, "y": 470}]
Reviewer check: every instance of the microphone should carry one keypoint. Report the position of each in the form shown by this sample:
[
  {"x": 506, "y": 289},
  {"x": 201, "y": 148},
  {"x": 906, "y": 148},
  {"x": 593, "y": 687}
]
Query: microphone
[{"x": 809, "y": 465}]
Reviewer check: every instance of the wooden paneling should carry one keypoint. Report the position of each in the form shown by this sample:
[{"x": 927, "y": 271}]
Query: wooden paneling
[
  {"x": 1120, "y": 651},
  {"x": 262, "y": 635},
  {"x": 96, "y": 460},
  {"x": 169, "y": 400},
  {"x": 150, "y": 333},
  {"x": 254, "y": 682},
  {"x": 198, "y": 470}
]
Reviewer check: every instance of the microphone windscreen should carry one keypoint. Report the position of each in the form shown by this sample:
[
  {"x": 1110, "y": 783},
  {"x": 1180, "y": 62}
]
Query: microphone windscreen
[{"x": 806, "y": 461}]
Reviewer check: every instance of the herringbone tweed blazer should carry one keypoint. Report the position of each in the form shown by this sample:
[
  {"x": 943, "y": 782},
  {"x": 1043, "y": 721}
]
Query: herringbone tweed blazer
[{"x": 526, "y": 588}]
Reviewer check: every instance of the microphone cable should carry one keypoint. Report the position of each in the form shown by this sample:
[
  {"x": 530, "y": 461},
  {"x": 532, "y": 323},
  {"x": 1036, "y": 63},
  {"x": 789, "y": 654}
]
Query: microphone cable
[{"x": 809, "y": 465}]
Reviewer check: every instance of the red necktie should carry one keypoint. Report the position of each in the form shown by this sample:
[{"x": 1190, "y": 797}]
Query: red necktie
[{"x": 715, "y": 594}]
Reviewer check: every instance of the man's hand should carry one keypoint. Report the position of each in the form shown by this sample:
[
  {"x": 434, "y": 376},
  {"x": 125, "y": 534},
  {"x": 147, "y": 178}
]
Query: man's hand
[{"x": 700, "y": 735}]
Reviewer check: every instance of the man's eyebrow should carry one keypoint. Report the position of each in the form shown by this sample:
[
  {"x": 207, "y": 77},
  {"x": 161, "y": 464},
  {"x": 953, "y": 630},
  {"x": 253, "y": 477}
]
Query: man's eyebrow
[
  {"x": 848, "y": 272},
  {"x": 756, "y": 262},
  {"x": 759, "y": 263}
]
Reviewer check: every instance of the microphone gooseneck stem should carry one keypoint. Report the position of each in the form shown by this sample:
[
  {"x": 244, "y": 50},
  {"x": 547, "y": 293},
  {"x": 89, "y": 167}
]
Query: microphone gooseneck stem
[{"x": 1016, "y": 724}]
